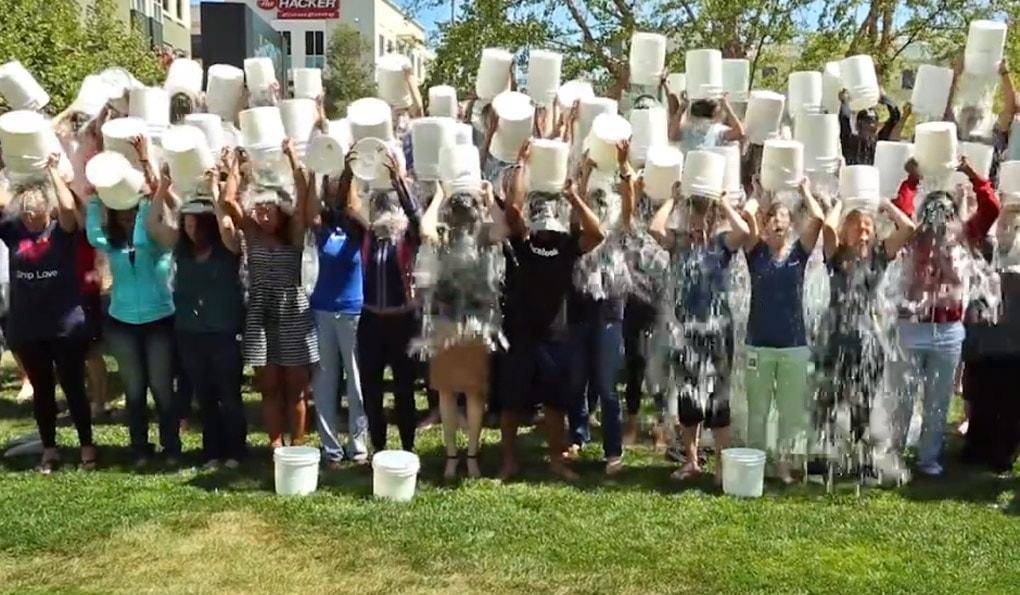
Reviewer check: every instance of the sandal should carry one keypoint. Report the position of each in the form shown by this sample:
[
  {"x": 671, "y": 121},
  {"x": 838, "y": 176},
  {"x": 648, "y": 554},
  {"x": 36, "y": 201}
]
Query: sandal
[
  {"x": 688, "y": 471},
  {"x": 48, "y": 466},
  {"x": 90, "y": 464}
]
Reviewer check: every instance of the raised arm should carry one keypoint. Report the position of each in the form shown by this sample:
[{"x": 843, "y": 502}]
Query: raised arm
[
  {"x": 67, "y": 215},
  {"x": 406, "y": 202},
  {"x": 155, "y": 220},
  {"x": 626, "y": 183},
  {"x": 1008, "y": 98},
  {"x": 229, "y": 233},
  {"x": 809, "y": 237},
  {"x": 657, "y": 227},
  {"x": 988, "y": 205},
  {"x": 491, "y": 122},
  {"x": 416, "y": 110},
  {"x": 141, "y": 147},
  {"x": 592, "y": 233},
  {"x": 885, "y": 133},
  {"x": 904, "y": 229},
  {"x": 830, "y": 231},
  {"x": 515, "y": 200},
  {"x": 736, "y": 132},
  {"x": 897, "y": 131},
  {"x": 94, "y": 225},
  {"x": 737, "y": 235},
  {"x": 430, "y": 220},
  {"x": 301, "y": 188},
  {"x": 750, "y": 216},
  {"x": 230, "y": 201}
]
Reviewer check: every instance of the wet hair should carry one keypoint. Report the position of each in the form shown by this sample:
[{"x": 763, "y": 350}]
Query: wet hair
[
  {"x": 333, "y": 212},
  {"x": 704, "y": 108},
  {"x": 645, "y": 102},
  {"x": 207, "y": 228},
  {"x": 32, "y": 195},
  {"x": 116, "y": 235},
  {"x": 181, "y": 104}
]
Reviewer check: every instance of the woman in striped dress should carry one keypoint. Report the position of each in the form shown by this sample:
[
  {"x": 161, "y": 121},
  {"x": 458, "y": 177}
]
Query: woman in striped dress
[{"x": 279, "y": 333}]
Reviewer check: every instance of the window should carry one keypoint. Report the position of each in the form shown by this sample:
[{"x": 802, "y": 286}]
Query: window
[
  {"x": 287, "y": 46},
  {"x": 166, "y": 5},
  {"x": 382, "y": 45},
  {"x": 315, "y": 49},
  {"x": 907, "y": 78},
  {"x": 180, "y": 9},
  {"x": 389, "y": 46}
]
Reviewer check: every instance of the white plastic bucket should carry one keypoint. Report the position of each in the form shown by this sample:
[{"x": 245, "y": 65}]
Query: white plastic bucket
[
  {"x": 704, "y": 174},
  {"x": 463, "y": 134},
  {"x": 262, "y": 128},
  {"x": 547, "y": 165},
  {"x": 860, "y": 81},
  {"x": 704, "y": 73},
  {"x": 819, "y": 134},
  {"x": 516, "y": 117},
  {"x": 544, "y": 70},
  {"x": 764, "y": 115},
  {"x": 369, "y": 166},
  {"x": 591, "y": 108},
  {"x": 117, "y": 135},
  {"x": 980, "y": 156},
  {"x": 117, "y": 183},
  {"x": 804, "y": 93},
  {"x": 151, "y": 104},
  {"x": 395, "y": 475},
  {"x": 224, "y": 91},
  {"x": 677, "y": 82},
  {"x": 573, "y": 91},
  {"x": 184, "y": 76},
  {"x": 664, "y": 167},
  {"x": 211, "y": 127},
  {"x": 493, "y": 73},
  {"x": 187, "y": 153},
  {"x": 93, "y": 94},
  {"x": 650, "y": 128},
  {"x": 259, "y": 74},
  {"x": 647, "y": 58},
  {"x": 296, "y": 470},
  {"x": 935, "y": 147},
  {"x": 459, "y": 161},
  {"x": 860, "y": 183},
  {"x": 985, "y": 44},
  {"x": 370, "y": 117},
  {"x": 743, "y": 472},
  {"x": 1009, "y": 182},
  {"x": 890, "y": 157},
  {"x": 731, "y": 178},
  {"x": 20, "y": 89},
  {"x": 782, "y": 165},
  {"x": 832, "y": 84},
  {"x": 299, "y": 117},
  {"x": 428, "y": 136},
  {"x": 931, "y": 90},
  {"x": 606, "y": 131},
  {"x": 307, "y": 83},
  {"x": 25, "y": 135},
  {"x": 326, "y": 152},
  {"x": 736, "y": 78},
  {"x": 389, "y": 72},
  {"x": 443, "y": 101}
]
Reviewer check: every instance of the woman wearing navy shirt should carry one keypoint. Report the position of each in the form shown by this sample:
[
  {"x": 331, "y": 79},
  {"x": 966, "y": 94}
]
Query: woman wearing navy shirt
[{"x": 46, "y": 327}]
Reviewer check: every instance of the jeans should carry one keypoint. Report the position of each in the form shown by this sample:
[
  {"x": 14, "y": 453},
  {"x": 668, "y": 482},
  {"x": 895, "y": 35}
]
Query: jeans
[
  {"x": 597, "y": 353},
  {"x": 778, "y": 374},
  {"x": 638, "y": 322},
  {"x": 212, "y": 364},
  {"x": 338, "y": 345},
  {"x": 931, "y": 353},
  {"x": 144, "y": 354},
  {"x": 383, "y": 340},
  {"x": 39, "y": 358}
]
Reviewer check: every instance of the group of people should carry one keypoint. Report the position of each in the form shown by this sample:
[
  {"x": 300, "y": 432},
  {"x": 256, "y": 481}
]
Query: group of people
[{"x": 519, "y": 298}]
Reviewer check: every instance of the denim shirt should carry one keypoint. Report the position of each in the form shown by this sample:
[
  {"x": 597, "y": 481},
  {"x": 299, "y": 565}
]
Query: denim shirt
[{"x": 141, "y": 285}]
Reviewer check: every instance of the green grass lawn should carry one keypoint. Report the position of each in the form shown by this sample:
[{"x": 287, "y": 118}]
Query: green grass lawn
[{"x": 211, "y": 532}]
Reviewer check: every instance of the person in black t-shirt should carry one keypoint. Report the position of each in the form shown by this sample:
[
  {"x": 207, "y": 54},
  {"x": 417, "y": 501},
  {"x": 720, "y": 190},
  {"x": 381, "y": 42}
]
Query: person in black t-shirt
[{"x": 538, "y": 363}]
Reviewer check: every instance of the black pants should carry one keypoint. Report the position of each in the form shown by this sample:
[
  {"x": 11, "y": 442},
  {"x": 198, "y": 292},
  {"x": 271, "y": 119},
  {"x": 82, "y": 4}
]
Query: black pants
[
  {"x": 383, "y": 340},
  {"x": 39, "y": 359},
  {"x": 638, "y": 319},
  {"x": 212, "y": 364},
  {"x": 993, "y": 435}
]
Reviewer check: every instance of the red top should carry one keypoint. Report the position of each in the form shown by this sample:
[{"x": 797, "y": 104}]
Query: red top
[
  {"x": 85, "y": 267},
  {"x": 941, "y": 271}
]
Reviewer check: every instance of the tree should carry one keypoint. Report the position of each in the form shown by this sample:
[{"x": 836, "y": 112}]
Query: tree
[
  {"x": 347, "y": 76},
  {"x": 60, "y": 46}
]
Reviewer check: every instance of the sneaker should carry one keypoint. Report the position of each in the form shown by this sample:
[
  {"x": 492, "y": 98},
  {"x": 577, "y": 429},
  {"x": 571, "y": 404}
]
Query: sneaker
[
  {"x": 232, "y": 464},
  {"x": 931, "y": 470},
  {"x": 614, "y": 465},
  {"x": 212, "y": 465}
]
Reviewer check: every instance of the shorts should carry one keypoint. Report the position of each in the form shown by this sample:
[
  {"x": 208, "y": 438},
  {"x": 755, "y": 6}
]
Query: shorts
[
  {"x": 94, "y": 305},
  {"x": 536, "y": 373},
  {"x": 702, "y": 370}
]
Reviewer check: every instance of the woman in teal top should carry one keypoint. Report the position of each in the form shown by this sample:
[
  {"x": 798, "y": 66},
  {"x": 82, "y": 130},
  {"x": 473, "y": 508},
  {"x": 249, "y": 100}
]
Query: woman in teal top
[
  {"x": 210, "y": 311},
  {"x": 140, "y": 327}
]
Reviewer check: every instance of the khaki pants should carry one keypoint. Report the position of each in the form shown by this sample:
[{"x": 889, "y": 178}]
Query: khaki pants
[{"x": 778, "y": 374}]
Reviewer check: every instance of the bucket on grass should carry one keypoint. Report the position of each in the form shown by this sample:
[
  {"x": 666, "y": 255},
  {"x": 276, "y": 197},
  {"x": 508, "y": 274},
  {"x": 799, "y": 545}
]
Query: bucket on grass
[
  {"x": 743, "y": 472},
  {"x": 395, "y": 475},
  {"x": 296, "y": 470}
]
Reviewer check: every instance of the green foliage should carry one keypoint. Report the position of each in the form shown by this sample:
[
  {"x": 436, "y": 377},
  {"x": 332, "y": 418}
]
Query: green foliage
[
  {"x": 60, "y": 45},
  {"x": 347, "y": 76}
]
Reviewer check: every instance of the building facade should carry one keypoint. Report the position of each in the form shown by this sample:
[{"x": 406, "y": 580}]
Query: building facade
[
  {"x": 308, "y": 24},
  {"x": 166, "y": 24}
]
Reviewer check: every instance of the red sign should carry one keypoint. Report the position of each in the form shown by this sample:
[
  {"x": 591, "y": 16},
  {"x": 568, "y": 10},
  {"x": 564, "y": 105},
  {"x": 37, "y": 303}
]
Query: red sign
[
  {"x": 267, "y": 4},
  {"x": 304, "y": 9}
]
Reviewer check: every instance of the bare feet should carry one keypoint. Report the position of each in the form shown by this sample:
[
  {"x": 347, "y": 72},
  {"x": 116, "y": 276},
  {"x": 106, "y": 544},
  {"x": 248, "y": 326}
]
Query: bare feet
[
  {"x": 50, "y": 461},
  {"x": 689, "y": 470},
  {"x": 572, "y": 453},
  {"x": 451, "y": 467},
  {"x": 472, "y": 467},
  {"x": 27, "y": 392}
]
